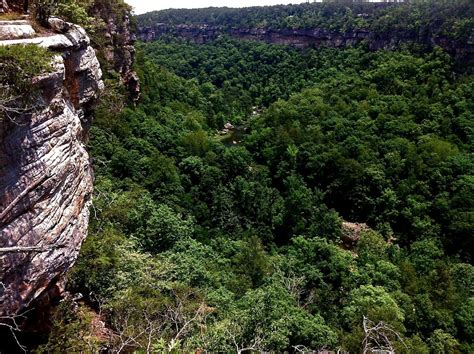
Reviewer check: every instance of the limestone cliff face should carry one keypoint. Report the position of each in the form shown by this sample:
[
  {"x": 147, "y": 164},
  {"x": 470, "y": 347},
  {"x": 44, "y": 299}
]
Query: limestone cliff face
[
  {"x": 117, "y": 43},
  {"x": 46, "y": 178},
  {"x": 462, "y": 50}
]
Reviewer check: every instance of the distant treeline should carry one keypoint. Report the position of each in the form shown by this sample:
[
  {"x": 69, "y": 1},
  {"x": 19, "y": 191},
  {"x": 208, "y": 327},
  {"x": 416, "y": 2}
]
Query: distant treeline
[{"x": 454, "y": 18}]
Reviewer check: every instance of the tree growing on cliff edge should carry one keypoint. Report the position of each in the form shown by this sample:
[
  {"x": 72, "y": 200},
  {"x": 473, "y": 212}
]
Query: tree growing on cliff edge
[
  {"x": 19, "y": 64},
  {"x": 69, "y": 10}
]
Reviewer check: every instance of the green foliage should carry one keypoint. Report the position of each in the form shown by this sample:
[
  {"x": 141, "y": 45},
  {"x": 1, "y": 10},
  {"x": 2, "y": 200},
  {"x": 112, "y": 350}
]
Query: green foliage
[
  {"x": 424, "y": 254},
  {"x": 90, "y": 14},
  {"x": 268, "y": 319},
  {"x": 465, "y": 320},
  {"x": 448, "y": 18},
  {"x": 251, "y": 262},
  {"x": 20, "y": 63},
  {"x": 238, "y": 233},
  {"x": 375, "y": 303},
  {"x": 371, "y": 247},
  {"x": 442, "y": 342},
  {"x": 75, "y": 11},
  {"x": 71, "y": 330},
  {"x": 158, "y": 227},
  {"x": 69, "y": 10}
]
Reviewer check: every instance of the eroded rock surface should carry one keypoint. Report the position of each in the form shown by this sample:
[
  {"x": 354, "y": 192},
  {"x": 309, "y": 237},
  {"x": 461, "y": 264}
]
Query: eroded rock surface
[
  {"x": 15, "y": 30},
  {"x": 118, "y": 44},
  {"x": 462, "y": 50},
  {"x": 45, "y": 172}
]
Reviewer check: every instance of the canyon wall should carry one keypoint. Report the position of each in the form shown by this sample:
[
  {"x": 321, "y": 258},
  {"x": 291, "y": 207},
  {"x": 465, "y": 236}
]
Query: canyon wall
[
  {"x": 461, "y": 50},
  {"x": 46, "y": 177},
  {"x": 115, "y": 44}
]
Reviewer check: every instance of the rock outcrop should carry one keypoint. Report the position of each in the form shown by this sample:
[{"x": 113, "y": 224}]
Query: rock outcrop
[
  {"x": 45, "y": 172},
  {"x": 351, "y": 233},
  {"x": 16, "y": 30},
  {"x": 463, "y": 51},
  {"x": 117, "y": 47}
]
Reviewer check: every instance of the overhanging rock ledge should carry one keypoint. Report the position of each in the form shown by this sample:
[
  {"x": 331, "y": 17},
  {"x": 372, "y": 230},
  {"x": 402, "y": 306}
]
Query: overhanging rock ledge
[{"x": 46, "y": 178}]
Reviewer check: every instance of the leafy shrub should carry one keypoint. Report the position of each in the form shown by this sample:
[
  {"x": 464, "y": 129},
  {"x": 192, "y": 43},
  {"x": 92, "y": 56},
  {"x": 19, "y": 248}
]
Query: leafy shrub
[
  {"x": 43, "y": 10},
  {"x": 69, "y": 10},
  {"x": 18, "y": 65}
]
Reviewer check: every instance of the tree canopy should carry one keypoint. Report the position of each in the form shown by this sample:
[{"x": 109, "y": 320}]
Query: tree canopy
[{"x": 219, "y": 200}]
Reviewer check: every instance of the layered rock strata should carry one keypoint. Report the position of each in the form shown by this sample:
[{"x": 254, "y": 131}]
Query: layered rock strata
[
  {"x": 463, "y": 50},
  {"x": 45, "y": 172}
]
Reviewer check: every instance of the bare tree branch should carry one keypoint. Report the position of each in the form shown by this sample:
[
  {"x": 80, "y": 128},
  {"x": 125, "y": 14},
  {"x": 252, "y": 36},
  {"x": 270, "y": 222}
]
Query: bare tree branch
[
  {"x": 12, "y": 323},
  {"x": 379, "y": 337},
  {"x": 36, "y": 249},
  {"x": 22, "y": 194}
]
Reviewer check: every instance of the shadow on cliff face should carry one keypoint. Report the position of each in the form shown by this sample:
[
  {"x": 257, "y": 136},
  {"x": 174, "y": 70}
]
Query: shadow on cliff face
[
  {"x": 8, "y": 343},
  {"x": 29, "y": 340},
  {"x": 35, "y": 324}
]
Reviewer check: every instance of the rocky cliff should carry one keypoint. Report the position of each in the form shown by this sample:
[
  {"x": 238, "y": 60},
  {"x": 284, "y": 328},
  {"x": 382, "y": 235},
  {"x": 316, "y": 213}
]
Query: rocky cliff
[
  {"x": 462, "y": 50},
  {"x": 115, "y": 43},
  {"x": 45, "y": 172}
]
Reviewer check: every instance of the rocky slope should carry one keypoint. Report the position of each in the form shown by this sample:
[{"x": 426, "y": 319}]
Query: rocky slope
[
  {"x": 45, "y": 173},
  {"x": 463, "y": 51}
]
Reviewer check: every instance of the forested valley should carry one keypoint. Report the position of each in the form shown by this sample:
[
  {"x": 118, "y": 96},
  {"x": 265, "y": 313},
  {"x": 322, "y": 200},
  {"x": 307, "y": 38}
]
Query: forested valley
[{"x": 265, "y": 198}]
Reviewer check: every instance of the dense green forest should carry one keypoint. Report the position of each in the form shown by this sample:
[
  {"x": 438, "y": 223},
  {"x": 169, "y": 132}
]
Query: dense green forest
[
  {"x": 231, "y": 240},
  {"x": 450, "y": 18}
]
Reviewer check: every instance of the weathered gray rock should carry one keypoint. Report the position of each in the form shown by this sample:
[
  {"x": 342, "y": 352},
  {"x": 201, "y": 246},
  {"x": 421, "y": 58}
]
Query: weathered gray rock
[
  {"x": 16, "y": 30},
  {"x": 68, "y": 36},
  {"x": 45, "y": 173},
  {"x": 55, "y": 42},
  {"x": 14, "y": 22}
]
